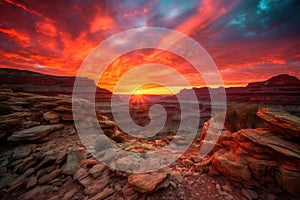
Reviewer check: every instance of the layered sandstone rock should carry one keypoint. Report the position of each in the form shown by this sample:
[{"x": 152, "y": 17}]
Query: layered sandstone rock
[
  {"x": 281, "y": 122},
  {"x": 57, "y": 165},
  {"x": 40, "y": 150},
  {"x": 146, "y": 182},
  {"x": 42, "y": 156},
  {"x": 268, "y": 157}
]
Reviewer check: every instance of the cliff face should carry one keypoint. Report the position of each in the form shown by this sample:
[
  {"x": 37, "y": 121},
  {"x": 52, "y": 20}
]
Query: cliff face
[
  {"x": 279, "y": 90},
  {"x": 32, "y": 82}
]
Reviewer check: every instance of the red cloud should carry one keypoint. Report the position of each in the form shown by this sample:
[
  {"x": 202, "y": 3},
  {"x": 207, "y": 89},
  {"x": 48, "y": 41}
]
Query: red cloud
[
  {"x": 46, "y": 28},
  {"x": 136, "y": 12},
  {"x": 23, "y": 39},
  {"x": 60, "y": 36}
]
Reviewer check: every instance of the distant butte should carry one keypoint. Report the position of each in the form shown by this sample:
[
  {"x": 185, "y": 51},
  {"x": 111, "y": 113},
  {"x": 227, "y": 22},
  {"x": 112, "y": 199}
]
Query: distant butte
[
  {"x": 33, "y": 82},
  {"x": 278, "y": 90},
  {"x": 280, "y": 80}
]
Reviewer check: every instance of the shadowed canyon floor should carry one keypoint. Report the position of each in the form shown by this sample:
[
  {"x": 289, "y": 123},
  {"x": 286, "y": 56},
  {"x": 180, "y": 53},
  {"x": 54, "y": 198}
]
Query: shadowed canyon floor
[{"x": 42, "y": 157}]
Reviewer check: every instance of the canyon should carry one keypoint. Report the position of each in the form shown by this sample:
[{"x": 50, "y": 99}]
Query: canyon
[{"x": 43, "y": 156}]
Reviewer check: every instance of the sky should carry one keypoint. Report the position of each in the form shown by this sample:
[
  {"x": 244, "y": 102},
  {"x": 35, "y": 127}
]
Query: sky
[{"x": 250, "y": 40}]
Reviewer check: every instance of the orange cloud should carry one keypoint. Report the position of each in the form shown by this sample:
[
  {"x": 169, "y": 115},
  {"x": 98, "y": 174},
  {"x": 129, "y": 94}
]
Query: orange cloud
[
  {"x": 59, "y": 36},
  {"x": 127, "y": 62},
  {"x": 46, "y": 28},
  {"x": 101, "y": 23},
  {"x": 12, "y": 33}
]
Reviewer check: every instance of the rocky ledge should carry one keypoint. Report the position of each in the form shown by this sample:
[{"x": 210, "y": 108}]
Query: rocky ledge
[{"x": 259, "y": 158}]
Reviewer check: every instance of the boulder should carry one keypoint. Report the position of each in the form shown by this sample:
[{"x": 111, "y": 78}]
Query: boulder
[
  {"x": 234, "y": 166},
  {"x": 145, "y": 183},
  {"x": 97, "y": 170}
]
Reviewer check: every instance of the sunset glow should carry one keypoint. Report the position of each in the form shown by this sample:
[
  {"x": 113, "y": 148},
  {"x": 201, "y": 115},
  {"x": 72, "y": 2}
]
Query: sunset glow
[
  {"x": 138, "y": 100},
  {"x": 138, "y": 92},
  {"x": 248, "y": 40}
]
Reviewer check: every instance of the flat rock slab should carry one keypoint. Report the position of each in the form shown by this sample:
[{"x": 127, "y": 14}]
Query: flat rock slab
[
  {"x": 34, "y": 133},
  {"x": 267, "y": 138},
  {"x": 280, "y": 121}
]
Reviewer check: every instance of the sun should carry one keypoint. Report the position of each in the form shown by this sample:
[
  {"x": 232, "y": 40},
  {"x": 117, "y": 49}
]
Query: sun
[
  {"x": 138, "y": 92},
  {"x": 137, "y": 99}
]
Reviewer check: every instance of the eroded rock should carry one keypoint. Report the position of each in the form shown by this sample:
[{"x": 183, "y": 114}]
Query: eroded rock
[
  {"x": 146, "y": 182},
  {"x": 281, "y": 121},
  {"x": 252, "y": 157},
  {"x": 34, "y": 133}
]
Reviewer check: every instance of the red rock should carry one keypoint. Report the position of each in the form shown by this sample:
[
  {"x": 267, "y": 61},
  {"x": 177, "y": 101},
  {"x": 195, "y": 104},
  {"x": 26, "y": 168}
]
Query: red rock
[
  {"x": 288, "y": 176},
  {"x": 264, "y": 137},
  {"x": 103, "y": 194},
  {"x": 27, "y": 163},
  {"x": 48, "y": 177},
  {"x": 97, "y": 170},
  {"x": 253, "y": 156},
  {"x": 69, "y": 194},
  {"x": 281, "y": 122},
  {"x": 35, "y": 192},
  {"x": 146, "y": 182},
  {"x": 283, "y": 79},
  {"x": 234, "y": 166},
  {"x": 52, "y": 116},
  {"x": 22, "y": 152},
  {"x": 93, "y": 186}
]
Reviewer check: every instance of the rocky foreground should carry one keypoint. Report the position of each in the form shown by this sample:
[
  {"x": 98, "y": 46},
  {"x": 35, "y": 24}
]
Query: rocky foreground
[
  {"x": 42, "y": 157},
  {"x": 264, "y": 157}
]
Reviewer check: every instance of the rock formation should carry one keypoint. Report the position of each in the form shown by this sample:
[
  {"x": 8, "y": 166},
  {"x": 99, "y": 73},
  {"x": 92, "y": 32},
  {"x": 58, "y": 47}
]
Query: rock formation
[
  {"x": 263, "y": 157},
  {"x": 278, "y": 90},
  {"x": 39, "y": 145},
  {"x": 42, "y": 157},
  {"x": 32, "y": 82}
]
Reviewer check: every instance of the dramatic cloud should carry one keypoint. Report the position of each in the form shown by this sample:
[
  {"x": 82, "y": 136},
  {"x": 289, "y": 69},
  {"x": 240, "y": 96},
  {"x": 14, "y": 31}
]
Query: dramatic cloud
[{"x": 248, "y": 40}]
